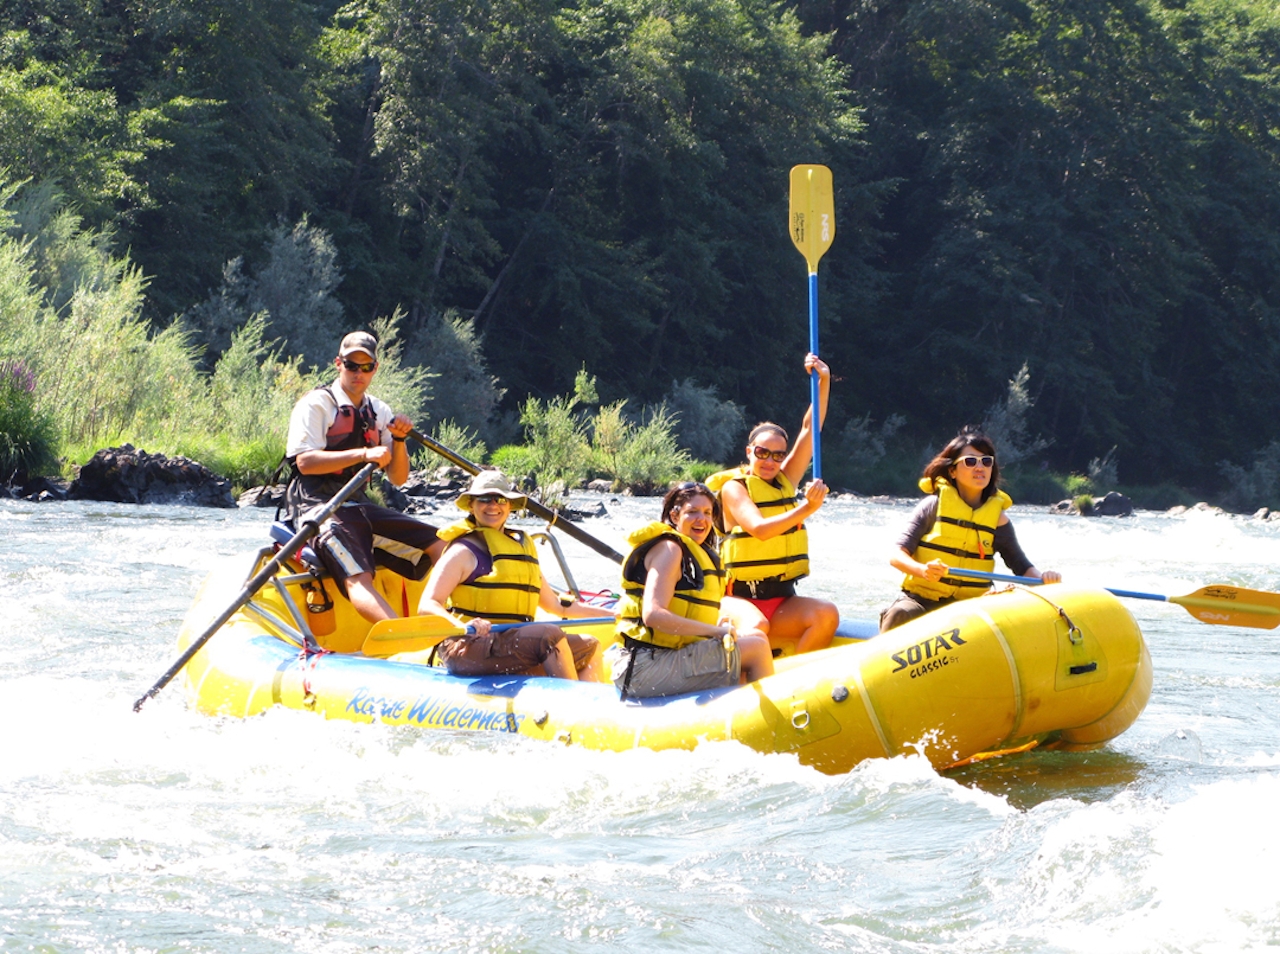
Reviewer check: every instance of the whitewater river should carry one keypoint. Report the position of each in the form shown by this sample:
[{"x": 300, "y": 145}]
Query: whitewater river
[{"x": 169, "y": 831}]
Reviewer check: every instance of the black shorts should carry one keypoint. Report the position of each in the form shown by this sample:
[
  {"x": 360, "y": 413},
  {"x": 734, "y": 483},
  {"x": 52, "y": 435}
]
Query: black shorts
[{"x": 359, "y": 538}]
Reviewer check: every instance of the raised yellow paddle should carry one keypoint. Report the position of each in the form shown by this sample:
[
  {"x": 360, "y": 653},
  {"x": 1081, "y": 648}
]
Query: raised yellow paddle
[
  {"x": 813, "y": 228},
  {"x": 1217, "y": 603}
]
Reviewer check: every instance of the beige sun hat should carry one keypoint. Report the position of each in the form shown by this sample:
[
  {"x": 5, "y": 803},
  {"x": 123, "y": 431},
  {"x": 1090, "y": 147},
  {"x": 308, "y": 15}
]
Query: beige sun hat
[{"x": 490, "y": 482}]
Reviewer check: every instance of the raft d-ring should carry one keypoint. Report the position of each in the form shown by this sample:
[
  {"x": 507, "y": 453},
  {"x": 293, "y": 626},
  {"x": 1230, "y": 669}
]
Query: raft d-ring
[
  {"x": 800, "y": 718},
  {"x": 1073, "y": 631}
]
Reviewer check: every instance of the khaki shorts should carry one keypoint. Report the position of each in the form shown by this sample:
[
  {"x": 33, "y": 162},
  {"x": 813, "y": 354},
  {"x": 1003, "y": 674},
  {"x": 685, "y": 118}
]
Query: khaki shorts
[
  {"x": 906, "y": 607},
  {"x": 672, "y": 672}
]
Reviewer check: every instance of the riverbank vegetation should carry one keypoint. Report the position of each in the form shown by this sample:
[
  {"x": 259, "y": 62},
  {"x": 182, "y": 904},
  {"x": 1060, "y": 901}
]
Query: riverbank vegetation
[{"x": 569, "y": 222}]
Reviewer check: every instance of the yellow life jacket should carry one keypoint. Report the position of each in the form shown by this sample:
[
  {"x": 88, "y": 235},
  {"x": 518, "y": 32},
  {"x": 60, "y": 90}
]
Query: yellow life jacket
[
  {"x": 697, "y": 594},
  {"x": 509, "y": 592},
  {"x": 963, "y": 537},
  {"x": 785, "y": 556}
]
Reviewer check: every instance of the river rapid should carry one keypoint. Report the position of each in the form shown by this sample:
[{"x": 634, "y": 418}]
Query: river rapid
[{"x": 170, "y": 831}]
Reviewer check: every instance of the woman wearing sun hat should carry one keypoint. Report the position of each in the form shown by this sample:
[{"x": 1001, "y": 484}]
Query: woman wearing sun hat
[{"x": 489, "y": 573}]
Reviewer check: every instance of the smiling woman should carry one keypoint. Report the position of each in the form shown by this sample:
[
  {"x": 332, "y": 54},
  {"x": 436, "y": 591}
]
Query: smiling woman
[
  {"x": 490, "y": 574},
  {"x": 766, "y": 545},
  {"x": 674, "y": 638}
]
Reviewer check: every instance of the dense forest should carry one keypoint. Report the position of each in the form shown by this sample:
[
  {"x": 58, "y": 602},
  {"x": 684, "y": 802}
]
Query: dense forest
[{"x": 1080, "y": 197}]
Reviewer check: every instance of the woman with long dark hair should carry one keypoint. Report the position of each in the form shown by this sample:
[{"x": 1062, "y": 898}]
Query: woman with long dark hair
[
  {"x": 675, "y": 638},
  {"x": 962, "y": 524}
]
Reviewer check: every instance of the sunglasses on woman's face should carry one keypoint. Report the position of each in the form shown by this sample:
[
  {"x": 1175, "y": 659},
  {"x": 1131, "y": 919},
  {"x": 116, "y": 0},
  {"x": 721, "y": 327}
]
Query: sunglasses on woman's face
[
  {"x": 974, "y": 461},
  {"x": 490, "y": 499},
  {"x": 763, "y": 453},
  {"x": 357, "y": 366}
]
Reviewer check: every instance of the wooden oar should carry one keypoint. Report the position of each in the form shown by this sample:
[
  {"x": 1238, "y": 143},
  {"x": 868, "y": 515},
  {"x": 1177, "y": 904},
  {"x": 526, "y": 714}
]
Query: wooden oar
[
  {"x": 813, "y": 227},
  {"x": 1217, "y": 603},
  {"x": 309, "y": 529},
  {"x": 546, "y": 513},
  {"x": 414, "y": 633}
]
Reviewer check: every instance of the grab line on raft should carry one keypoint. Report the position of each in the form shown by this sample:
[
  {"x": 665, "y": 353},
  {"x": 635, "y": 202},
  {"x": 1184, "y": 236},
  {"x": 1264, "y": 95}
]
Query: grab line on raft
[
  {"x": 871, "y": 714},
  {"x": 1013, "y": 666}
]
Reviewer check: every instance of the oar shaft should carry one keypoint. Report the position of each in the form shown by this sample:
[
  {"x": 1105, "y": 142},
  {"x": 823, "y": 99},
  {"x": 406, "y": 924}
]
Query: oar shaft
[
  {"x": 309, "y": 529},
  {"x": 1028, "y": 581},
  {"x": 814, "y": 380},
  {"x": 545, "y": 513},
  {"x": 589, "y": 621}
]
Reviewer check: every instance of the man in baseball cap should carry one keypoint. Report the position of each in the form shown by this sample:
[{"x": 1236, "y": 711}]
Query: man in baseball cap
[{"x": 333, "y": 432}]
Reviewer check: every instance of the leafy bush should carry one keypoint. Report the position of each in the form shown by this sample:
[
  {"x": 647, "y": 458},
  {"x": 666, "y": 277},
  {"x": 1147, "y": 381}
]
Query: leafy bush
[
  {"x": 559, "y": 450},
  {"x": 518, "y": 463},
  {"x": 1256, "y": 486},
  {"x": 1032, "y": 485},
  {"x": 638, "y": 457},
  {"x": 870, "y": 458},
  {"x": 1104, "y": 471},
  {"x": 27, "y": 436},
  {"x": 1077, "y": 484},
  {"x": 702, "y": 423},
  {"x": 1162, "y": 496},
  {"x": 456, "y": 438},
  {"x": 1006, "y": 422},
  {"x": 451, "y": 347},
  {"x": 293, "y": 292}
]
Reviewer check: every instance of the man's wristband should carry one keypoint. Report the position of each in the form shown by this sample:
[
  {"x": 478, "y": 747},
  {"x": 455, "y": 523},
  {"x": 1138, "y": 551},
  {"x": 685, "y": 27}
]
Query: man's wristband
[{"x": 398, "y": 440}]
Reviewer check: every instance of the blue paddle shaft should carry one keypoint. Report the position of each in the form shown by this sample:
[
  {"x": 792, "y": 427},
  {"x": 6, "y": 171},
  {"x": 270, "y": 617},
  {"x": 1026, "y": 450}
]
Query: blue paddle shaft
[
  {"x": 588, "y": 621},
  {"x": 813, "y": 378},
  {"x": 1028, "y": 581}
]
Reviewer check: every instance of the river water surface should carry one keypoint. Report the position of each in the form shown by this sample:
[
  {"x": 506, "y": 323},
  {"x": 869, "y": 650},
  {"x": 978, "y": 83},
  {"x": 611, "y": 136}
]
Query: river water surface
[{"x": 169, "y": 831}]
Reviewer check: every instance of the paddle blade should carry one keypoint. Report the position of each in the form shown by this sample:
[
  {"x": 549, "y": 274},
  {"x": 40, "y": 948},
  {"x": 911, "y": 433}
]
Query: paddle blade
[
  {"x": 407, "y": 635},
  {"x": 1232, "y": 606},
  {"x": 813, "y": 212}
]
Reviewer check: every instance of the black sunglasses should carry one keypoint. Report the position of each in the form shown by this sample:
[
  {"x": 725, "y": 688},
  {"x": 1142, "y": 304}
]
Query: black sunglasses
[
  {"x": 490, "y": 499},
  {"x": 357, "y": 366},
  {"x": 973, "y": 461},
  {"x": 762, "y": 453}
]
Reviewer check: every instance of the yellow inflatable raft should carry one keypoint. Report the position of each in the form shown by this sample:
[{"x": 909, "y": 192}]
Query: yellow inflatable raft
[{"x": 1050, "y": 666}]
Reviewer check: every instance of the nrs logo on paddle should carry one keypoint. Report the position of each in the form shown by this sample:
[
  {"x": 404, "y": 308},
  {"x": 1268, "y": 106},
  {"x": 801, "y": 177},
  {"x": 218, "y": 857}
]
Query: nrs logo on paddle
[{"x": 929, "y": 654}]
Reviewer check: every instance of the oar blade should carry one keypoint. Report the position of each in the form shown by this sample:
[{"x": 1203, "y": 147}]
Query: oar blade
[
  {"x": 408, "y": 634},
  {"x": 813, "y": 212},
  {"x": 1232, "y": 606}
]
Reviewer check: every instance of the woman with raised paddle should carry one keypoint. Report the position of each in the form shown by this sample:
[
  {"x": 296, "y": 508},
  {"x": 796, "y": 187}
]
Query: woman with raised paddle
[
  {"x": 766, "y": 549},
  {"x": 489, "y": 573},
  {"x": 962, "y": 524},
  {"x": 674, "y": 637}
]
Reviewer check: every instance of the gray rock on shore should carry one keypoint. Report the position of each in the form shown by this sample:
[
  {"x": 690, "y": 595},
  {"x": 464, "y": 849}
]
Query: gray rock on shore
[{"x": 127, "y": 475}]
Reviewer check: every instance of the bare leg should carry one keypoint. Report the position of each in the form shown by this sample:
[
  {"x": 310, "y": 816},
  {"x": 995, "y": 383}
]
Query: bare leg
[
  {"x": 366, "y": 599},
  {"x": 560, "y": 662},
  {"x": 807, "y": 622},
  {"x": 744, "y": 614},
  {"x": 593, "y": 671},
  {"x": 756, "y": 655}
]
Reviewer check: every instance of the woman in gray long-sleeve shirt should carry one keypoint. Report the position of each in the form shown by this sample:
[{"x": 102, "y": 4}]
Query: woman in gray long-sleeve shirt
[{"x": 962, "y": 524}]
